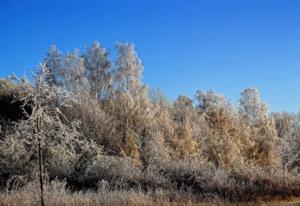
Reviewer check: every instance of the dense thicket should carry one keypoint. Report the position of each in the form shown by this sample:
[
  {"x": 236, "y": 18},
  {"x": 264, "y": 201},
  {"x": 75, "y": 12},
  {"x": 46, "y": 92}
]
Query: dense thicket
[{"x": 100, "y": 126}]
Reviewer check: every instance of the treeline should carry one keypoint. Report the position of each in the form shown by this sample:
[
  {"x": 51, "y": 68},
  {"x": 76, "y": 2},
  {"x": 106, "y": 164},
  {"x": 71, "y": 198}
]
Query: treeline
[{"x": 100, "y": 127}]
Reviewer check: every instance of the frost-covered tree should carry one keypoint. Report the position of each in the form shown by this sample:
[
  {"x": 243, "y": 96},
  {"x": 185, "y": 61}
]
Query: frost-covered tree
[
  {"x": 46, "y": 135},
  {"x": 163, "y": 121},
  {"x": 261, "y": 128},
  {"x": 288, "y": 130},
  {"x": 220, "y": 134},
  {"x": 162, "y": 130},
  {"x": 209, "y": 101},
  {"x": 183, "y": 110},
  {"x": 284, "y": 123},
  {"x": 183, "y": 114},
  {"x": 251, "y": 105},
  {"x": 54, "y": 64},
  {"x": 128, "y": 69},
  {"x": 294, "y": 149},
  {"x": 218, "y": 112},
  {"x": 132, "y": 107},
  {"x": 74, "y": 73},
  {"x": 98, "y": 73}
]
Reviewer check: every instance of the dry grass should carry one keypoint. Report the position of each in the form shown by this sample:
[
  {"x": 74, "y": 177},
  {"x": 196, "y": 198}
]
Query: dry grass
[
  {"x": 57, "y": 195},
  {"x": 117, "y": 198}
]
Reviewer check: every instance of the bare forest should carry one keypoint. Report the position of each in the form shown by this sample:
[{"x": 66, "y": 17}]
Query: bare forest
[{"x": 85, "y": 130}]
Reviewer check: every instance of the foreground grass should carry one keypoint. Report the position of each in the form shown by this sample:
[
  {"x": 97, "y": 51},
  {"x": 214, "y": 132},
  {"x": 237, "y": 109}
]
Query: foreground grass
[
  {"x": 126, "y": 198},
  {"x": 56, "y": 193}
]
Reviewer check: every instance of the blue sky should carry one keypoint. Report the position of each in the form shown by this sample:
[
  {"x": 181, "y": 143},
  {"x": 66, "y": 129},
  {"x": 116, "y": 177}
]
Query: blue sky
[{"x": 184, "y": 45}]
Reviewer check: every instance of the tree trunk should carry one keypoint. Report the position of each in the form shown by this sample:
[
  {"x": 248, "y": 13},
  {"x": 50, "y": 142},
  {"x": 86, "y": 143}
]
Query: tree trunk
[
  {"x": 40, "y": 160},
  {"x": 41, "y": 173}
]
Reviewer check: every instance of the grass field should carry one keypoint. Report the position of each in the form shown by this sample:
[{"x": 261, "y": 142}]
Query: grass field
[{"x": 129, "y": 198}]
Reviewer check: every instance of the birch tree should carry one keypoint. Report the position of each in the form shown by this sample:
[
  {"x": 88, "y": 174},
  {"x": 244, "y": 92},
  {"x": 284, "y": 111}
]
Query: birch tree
[
  {"x": 251, "y": 105},
  {"x": 98, "y": 73},
  {"x": 263, "y": 132},
  {"x": 128, "y": 69},
  {"x": 54, "y": 64},
  {"x": 74, "y": 73},
  {"x": 220, "y": 137},
  {"x": 132, "y": 106}
]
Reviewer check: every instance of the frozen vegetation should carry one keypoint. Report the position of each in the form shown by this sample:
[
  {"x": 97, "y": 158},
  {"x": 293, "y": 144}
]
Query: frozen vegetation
[{"x": 85, "y": 130}]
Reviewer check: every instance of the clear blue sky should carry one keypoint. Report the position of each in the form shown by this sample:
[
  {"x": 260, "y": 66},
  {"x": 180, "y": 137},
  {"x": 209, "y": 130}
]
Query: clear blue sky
[{"x": 184, "y": 45}]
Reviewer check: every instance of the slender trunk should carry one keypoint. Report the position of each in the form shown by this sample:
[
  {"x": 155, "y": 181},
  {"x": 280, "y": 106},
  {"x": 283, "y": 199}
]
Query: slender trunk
[
  {"x": 283, "y": 173},
  {"x": 126, "y": 111},
  {"x": 40, "y": 160},
  {"x": 41, "y": 173}
]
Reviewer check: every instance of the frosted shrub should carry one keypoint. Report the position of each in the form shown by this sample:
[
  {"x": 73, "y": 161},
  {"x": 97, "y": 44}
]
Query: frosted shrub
[
  {"x": 114, "y": 170},
  {"x": 15, "y": 159}
]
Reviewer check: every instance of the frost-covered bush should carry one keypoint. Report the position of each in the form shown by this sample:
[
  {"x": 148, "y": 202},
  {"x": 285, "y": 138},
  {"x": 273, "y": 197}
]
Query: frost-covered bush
[
  {"x": 15, "y": 159},
  {"x": 119, "y": 172},
  {"x": 288, "y": 129}
]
